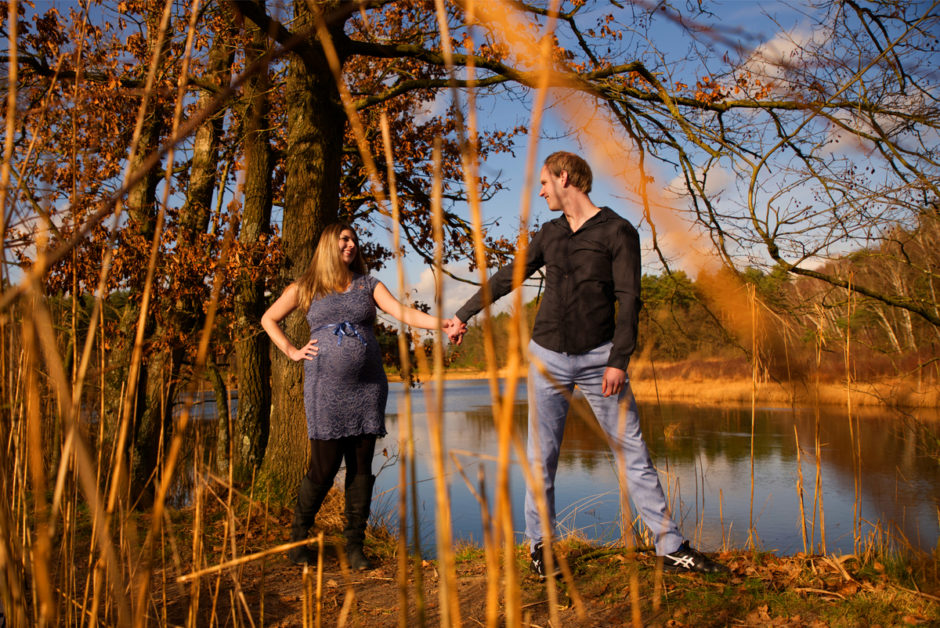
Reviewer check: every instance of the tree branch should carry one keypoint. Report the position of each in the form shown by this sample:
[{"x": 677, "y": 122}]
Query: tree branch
[
  {"x": 403, "y": 87},
  {"x": 887, "y": 299}
]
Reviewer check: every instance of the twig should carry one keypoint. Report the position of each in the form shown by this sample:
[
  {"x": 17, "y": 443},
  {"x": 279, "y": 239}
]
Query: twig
[
  {"x": 241, "y": 560},
  {"x": 838, "y": 565},
  {"x": 915, "y": 592},
  {"x": 819, "y": 592}
]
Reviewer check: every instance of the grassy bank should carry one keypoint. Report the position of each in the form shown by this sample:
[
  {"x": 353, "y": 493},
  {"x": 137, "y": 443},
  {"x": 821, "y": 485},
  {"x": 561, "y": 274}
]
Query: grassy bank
[
  {"x": 222, "y": 562},
  {"x": 603, "y": 586},
  {"x": 688, "y": 382},
  {"x": 717, "y": 391}
]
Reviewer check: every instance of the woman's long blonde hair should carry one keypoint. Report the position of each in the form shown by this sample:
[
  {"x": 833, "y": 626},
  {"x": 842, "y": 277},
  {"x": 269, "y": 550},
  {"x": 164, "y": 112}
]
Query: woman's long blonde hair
[{"x": 327, "y": 272}]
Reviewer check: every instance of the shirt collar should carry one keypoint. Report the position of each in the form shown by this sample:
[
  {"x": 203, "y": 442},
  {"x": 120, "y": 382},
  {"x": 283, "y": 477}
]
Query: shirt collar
[{"x": 600, "y": 217}]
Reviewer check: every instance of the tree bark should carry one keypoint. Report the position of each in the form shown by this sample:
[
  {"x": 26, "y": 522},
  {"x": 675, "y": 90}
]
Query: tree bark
[
  {"x": 251, "y": 344},
  {"x": 313, "y": 163},
  {"x": 223, "y": 422},
  {"x": 161, "y": 375},
  {"x": 203, "y": 172},
  {"x": 148, "y": 425}
]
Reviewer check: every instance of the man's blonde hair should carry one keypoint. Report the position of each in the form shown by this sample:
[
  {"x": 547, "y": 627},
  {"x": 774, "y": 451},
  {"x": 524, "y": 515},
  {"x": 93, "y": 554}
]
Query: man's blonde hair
[
  {"x": 579, "y": 172},
  {"x": 327, "y": 272}
]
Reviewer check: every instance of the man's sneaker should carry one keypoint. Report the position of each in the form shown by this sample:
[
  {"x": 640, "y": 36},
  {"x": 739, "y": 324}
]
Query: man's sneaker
[
  {"x": 537, "y": 564},
  {"x": 685, "y": 559}
]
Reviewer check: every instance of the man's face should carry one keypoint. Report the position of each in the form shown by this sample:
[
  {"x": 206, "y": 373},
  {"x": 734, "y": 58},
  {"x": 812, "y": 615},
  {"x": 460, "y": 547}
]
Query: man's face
[{"x": 553, "y": 188}]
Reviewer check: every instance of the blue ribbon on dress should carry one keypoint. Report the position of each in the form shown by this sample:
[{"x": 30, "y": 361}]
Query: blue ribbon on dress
[{"x": 343, "y": 329}]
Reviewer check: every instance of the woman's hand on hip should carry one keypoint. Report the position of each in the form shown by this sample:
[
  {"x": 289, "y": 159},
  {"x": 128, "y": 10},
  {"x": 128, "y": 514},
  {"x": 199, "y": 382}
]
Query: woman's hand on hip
[{"x": 307, "y": 352}]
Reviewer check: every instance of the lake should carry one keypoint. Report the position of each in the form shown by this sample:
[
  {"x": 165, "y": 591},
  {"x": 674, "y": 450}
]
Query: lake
[{"x": 703, "y": 456}]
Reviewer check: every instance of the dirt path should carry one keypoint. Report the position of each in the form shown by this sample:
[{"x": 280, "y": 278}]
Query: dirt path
[{"x": 763, "y": 590}]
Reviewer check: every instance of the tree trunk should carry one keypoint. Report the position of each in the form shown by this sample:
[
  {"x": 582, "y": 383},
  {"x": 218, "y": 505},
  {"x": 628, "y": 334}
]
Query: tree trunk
[
  {"x": 313, "y": 163},
  {"x": 148, "y": 426},
  {"x": 222, "y": 418},
  {"x": 252, "y": 347},
  {"x": 889, "y": 329},
  {"x": 204, "y": 170},
  {"x": 163, "y": 367}
]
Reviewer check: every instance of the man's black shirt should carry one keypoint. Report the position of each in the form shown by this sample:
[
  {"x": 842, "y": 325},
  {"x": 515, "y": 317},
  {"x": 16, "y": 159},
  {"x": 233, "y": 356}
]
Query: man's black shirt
[{"x": 586, "y": 272}]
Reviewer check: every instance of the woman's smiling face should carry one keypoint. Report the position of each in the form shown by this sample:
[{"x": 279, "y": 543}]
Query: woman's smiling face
[{"x": 347, "y": 245}]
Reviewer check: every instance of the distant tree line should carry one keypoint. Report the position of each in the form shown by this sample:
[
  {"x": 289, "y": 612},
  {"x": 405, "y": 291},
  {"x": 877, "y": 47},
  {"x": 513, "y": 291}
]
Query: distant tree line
[{"x": 796, "y": 318}]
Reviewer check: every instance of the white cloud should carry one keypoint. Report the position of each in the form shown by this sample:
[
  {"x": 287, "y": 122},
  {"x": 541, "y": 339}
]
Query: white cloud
[
  {"x": 716, "y": 182},
  {"x": 772, "y": 58},
  {"x": 455, "y": 293},
  {"x": 775, "y": 63}
]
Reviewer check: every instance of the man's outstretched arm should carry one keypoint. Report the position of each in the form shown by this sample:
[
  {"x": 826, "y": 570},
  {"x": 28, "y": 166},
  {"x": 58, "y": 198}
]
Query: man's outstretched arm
[{"x": 500, "y": 283}]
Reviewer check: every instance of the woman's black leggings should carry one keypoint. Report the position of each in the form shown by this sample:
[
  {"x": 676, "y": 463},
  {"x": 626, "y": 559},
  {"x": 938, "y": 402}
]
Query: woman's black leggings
[{"x": 327, "y": 455}]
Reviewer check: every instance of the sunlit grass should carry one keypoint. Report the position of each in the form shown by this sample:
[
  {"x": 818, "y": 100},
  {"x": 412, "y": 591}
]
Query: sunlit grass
[{"x": 75, "y": 551}]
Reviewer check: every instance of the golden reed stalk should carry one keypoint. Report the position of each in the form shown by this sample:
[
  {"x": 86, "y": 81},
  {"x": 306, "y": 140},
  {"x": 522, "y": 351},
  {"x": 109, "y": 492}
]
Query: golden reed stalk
[
  {"x": 469, "y": 164},
  {"x": 449, "y": 603},
  {"x": 143, "y": 581},
  {"x": 817, "y": 487},
  {"x": 751, "y": 540},
  {"x": 10, "y": 135},
  {"x": 799, "y": 488},
  {"x": 406, "y": 449},
  {"x": 855, "y": 438},
  {"x": 112, "y": 571}
]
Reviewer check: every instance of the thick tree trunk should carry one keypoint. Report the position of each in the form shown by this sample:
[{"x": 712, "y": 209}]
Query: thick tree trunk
[
  {"x": 251, "y": 344},
  {"x": 313, "y": 162}
]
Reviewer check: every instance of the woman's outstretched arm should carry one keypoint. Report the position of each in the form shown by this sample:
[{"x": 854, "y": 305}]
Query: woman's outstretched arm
[
  {"x": 408, "y": 315},
  {"x": 271, "y": 319}
]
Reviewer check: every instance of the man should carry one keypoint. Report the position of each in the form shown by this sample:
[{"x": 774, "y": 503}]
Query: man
[{"x": 592, "y": 261}]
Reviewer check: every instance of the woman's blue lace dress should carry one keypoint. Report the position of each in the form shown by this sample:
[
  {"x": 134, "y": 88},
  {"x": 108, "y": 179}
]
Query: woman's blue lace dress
[{"x": 345, "y": 388}]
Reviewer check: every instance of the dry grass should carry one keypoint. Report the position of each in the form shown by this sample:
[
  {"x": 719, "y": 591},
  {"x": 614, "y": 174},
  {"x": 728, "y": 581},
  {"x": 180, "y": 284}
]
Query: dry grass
[
  {"x": 719, "y": 390},
  {"x": 76, "y": 551},
  {"x": 717, "y": 381}
]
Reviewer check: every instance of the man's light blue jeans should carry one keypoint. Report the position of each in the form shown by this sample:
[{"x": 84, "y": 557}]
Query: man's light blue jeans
[{"x": 549, "y": 395}]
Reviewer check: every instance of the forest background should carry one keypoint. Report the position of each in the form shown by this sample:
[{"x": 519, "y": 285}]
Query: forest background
[{"x": 168, "y": 168}]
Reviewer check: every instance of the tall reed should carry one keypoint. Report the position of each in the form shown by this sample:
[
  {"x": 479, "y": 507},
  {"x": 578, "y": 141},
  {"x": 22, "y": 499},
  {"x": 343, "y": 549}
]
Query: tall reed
[
  {"x": 855, "y": 438},
  {"x": 407, "y": 480},
  {"x": 73, "y": 553},
  {"x": 752, "y": 298},
  {"x": 799, "y": 488},
  {"x": 818, "y": 506},
  {"x": 450, "y": 606}
]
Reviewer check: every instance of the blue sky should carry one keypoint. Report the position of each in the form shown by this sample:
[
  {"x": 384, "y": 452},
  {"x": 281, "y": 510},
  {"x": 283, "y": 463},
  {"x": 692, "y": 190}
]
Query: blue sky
[
  {"x": 747, "y": 22},
  {"x": 759, "y": 22}
]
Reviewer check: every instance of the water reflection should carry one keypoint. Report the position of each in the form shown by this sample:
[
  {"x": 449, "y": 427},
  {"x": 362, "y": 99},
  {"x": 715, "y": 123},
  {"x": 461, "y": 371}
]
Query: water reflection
[{"x": 703, "y": 455}]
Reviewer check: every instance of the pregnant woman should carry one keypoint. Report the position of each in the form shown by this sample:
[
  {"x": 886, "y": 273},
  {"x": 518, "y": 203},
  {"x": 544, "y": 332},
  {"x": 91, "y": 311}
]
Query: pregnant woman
[{"x": 345, "y": 387}]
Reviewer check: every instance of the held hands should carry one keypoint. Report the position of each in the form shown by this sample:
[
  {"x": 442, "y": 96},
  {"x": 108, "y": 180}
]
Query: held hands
[
  {"x": 613, "y": 382},
  {"x": 307, "y": 352},
  {"x": 454, "y": 328}
]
